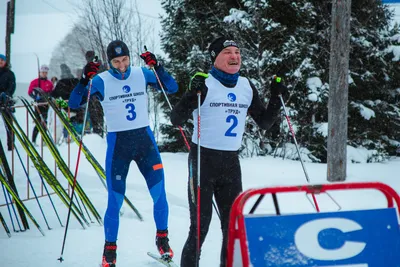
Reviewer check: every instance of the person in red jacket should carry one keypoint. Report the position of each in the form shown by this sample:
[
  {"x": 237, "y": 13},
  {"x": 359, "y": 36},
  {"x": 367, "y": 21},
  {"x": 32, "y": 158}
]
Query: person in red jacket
[{"x": 46, "y": 86}]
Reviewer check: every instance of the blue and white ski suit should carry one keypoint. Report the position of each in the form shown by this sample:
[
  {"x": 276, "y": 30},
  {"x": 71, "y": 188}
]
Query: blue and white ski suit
[{"x": 129, "y": 137}]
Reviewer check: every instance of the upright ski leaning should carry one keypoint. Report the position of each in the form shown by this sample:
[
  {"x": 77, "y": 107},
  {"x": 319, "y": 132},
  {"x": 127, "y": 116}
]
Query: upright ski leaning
[
  {"x": 123, "y": 96},
  {"x": 226, "y": 99}
]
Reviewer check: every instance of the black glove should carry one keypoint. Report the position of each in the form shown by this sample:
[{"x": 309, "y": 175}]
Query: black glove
[
  {"x": 198, "y": 82},
  {"x": 6, "y": 101},
  {"x": 3, "y": 98},
  {"x": 149, "y": 58},
  {"x": 89, "y": 71},
  {"x": 277, "y": 87}
]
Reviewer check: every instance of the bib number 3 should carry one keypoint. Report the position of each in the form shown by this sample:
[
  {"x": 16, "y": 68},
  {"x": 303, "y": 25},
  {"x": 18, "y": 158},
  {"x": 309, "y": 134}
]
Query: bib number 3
[
  {"x": 234, "y": 120},
  {"x": 131, "y": 110}
]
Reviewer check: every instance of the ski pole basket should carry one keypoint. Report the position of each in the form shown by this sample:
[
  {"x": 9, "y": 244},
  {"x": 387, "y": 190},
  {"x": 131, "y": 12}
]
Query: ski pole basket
[{"x": 368, "y": 237}]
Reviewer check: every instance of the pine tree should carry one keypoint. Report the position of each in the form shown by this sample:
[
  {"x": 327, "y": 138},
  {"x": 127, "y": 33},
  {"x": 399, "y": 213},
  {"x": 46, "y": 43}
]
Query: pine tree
[{"x": 292, "y": 39}]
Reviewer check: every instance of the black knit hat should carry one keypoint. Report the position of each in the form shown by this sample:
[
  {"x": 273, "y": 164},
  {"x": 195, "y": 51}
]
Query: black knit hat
[
  {"x": 218, "y": 45},
  {"x": 117, "y": 48}
]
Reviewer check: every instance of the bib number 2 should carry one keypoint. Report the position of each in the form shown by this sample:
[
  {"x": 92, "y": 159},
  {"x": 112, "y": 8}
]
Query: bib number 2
[
  {"x": 231, "y": 119},
  {"x": 131, "y": 112}
]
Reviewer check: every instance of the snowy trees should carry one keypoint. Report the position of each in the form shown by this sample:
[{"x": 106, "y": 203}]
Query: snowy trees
[
  {"x": 292, "y": 39},
  {"x": 102, "y": 21},
  {"x": 70, "y": 51}
]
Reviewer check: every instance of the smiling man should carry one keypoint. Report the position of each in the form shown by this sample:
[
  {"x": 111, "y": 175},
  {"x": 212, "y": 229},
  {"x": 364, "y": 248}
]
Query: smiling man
[
  {"x": 226, "y": 99},
  {"x": 122, "y": 91}
]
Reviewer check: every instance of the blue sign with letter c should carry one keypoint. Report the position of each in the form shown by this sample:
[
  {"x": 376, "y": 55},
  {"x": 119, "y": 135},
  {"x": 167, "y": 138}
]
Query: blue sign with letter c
[{"x": 363, "y": 238}]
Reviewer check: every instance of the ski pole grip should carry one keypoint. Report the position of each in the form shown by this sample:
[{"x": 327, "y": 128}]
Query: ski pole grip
[{"x": 202, "y": 74}]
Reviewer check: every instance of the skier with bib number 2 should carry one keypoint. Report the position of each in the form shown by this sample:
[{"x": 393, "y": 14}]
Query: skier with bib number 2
[
  {"x": 226, "y": 99},
  {"x": 122, "y": 93}
]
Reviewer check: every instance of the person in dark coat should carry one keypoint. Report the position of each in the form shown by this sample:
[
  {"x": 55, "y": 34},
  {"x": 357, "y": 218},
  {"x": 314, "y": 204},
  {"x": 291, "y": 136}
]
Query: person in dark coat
[
  {"x": 66, "y": 83},
  {"x": 63, "y": 90},
  {"x": 7, "y": 90}
]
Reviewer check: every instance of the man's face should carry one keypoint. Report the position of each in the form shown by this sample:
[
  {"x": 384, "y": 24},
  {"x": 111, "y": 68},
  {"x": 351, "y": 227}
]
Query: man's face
[
  {"x": 43, "y": 74},
  {"x": 229, "y": 60},
  {"x": 2, "y": 63},
  {"x": 121, "y": 63}
]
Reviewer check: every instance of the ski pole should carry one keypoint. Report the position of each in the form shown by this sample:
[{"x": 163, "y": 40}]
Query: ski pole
[
  {"x": 198, "y": 177},
  {"x": 9, "y": 211},
  {"x": 180, "y": 127},
  {"x": 84, "y": 207},
  {"x": 169, "y": 103},
  {"x": 76, "y": 172},
  {"x": 7, "y": 173},
  {"x": 15, "y": 213},
  {"x": 51, "y": 200},
  {"x": 3, "y": 222},
  {"x": 13, "y": 208},
  {"x": 278, "y": 79},
  {"x": 33, "y": 189}
]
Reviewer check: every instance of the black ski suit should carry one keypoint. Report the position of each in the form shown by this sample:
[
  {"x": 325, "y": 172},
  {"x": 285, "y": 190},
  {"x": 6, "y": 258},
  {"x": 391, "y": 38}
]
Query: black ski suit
[{"x": 220, "y": 172}]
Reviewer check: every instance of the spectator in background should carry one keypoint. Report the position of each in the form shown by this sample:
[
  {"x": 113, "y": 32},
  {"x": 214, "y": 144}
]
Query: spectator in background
[
  {"x": 66, "y": 83},
  {"x": 7, "y": 89},
  {"x": 54, "y": 80},
  {"x": 63, "y": 90},
  {"x": 42, "y": 83}
]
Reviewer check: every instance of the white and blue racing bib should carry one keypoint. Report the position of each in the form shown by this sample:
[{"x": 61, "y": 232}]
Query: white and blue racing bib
[
  {"x": 125, "y": 101},
  {"x": 223, "y": 115}
]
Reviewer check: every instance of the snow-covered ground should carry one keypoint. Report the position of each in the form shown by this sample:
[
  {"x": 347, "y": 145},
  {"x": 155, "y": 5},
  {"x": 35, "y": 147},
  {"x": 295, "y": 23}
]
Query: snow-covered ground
[{"x": 84, "y": 247}]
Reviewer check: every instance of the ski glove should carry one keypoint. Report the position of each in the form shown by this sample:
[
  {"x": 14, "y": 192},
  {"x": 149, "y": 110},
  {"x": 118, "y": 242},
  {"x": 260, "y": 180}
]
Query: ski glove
[
  {"x": 198, "y": 82},
  {"x": 277, "y": 87},
  {"x": 37, "y": 94},
  {"x": 89, "y": 71},
  {"x": 149, "y": 58}
]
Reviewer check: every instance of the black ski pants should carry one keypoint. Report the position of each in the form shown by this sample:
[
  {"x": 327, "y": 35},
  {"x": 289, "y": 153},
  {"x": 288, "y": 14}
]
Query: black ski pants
[
  {"x": 10, "y": 133},
  {"x": 220, "y": 176},
  {"x": 42, "y": 113}
]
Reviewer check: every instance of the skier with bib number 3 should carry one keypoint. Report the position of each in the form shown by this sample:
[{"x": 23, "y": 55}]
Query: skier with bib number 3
[
  {"x": 122, "y": 93},
  {"x": 226, "y": 99}
]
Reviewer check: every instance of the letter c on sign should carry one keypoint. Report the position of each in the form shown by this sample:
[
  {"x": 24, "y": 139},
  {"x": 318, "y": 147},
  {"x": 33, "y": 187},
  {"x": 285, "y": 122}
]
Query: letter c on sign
[{"x": 306, "y": 239}]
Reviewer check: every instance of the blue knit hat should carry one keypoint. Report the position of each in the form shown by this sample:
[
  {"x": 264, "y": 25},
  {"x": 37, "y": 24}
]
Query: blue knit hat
[{"x": 3, "y": 57}]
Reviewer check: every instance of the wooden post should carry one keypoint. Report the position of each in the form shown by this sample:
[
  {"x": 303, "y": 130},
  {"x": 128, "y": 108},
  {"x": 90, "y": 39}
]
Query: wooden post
[
  {"x": 9, "y": 28},
  {"x": 338, "y": 90}
]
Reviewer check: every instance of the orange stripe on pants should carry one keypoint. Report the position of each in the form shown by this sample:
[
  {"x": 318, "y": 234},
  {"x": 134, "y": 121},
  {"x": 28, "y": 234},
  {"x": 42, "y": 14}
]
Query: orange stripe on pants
[{"x": 157, "y": 166}]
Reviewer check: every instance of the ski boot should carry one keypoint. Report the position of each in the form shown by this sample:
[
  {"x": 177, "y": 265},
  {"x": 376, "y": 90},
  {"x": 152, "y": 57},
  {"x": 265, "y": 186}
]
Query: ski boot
[
  {"x": 163, "y": 245},
  {"x": 109, "y": 254}
]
